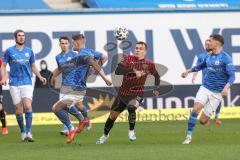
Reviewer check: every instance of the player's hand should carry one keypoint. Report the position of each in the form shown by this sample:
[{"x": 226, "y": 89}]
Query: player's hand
[
  {"x": 224, "y": 92},
  {"x": 193, "y": 79},
  {"x": 108, "y": 81},
  {"x": 139, "y": 73},
  {"x": 43, "y": 80},
  {"x": 184, "y": 74},
  {"x": 3, "y": 81},
  {"x": 155, "y": 93}
]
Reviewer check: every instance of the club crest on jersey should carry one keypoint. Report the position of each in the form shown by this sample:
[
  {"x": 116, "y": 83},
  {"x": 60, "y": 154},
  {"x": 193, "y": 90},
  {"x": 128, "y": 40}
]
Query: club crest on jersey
[
  {"x": 217, "y": 62},
  {"x": 69, "y": 58},
  {"x": 27, "y": 54},
  {"x": 92, "y": 55}
]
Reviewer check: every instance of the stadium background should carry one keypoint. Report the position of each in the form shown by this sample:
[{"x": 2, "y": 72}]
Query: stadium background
[{"x": 175, "y": 33}]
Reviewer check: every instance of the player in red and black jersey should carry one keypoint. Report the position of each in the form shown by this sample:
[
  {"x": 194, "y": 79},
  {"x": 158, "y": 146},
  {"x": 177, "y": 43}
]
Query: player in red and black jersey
[
  {"x": 2, "y": 112},
  {"x": 135, "y": 70}
]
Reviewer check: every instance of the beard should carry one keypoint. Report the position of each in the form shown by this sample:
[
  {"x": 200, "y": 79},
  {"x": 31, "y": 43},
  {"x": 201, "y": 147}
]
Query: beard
[
  {"x": 76, "y": 49},
  {"x": 20, "y": 43},
  {"x": 208, "y": 50}
]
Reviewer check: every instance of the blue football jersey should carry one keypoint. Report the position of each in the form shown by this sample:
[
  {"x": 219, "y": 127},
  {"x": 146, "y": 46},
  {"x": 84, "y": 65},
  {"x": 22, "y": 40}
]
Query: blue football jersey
[
  {"x": 67, "y": 70},
  {"x": 200, "y": 60},
  {"x": 82, "y": 70},
  {"x": 220, "y": 71},
  {"x": 74, "y": 67},
  {"x": 20, "y": 62}
]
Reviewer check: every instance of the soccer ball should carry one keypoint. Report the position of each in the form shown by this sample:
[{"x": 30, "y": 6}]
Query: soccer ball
[{"x": 121, "y": 33}]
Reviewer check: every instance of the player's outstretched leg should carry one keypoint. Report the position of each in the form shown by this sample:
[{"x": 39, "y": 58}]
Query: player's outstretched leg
[
  {"x": 132, "y": 122},
  {"x": 82, "y": 122},
  {"x": 63, "y": 117},
  {"x": 73, "y": 110},
  {"x": 64, "y": 131},
  {"x": 62, "y": 114},
  {"x": 84, "y": 111},
  {"x": 86, "y": 115},
  {"x": 191, "y": 124},
  {"x": 108, "y": 126},
  {"x": 3, "y": 121},
  {"x": 217, "y": 120},
  {"x": 65, "y": 128},
  {"x": 192, "y": 121},
  {"x": 3, "y": 115}
]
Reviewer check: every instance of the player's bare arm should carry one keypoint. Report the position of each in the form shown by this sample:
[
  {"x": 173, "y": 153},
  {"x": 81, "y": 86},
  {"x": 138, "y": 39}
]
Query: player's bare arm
[
  {"x": 56, "y": 73},
  {"x": 37, "y": 73},
  {"x": 4, "y": 74},
  {"x": 96, "y": 66},
  {"x": 225, "y": 90},
  {"x": 185, "y": 74},
  {"x": 101, "y": 61},
  {"x": 194, "y": 77},
  {"x": 104, "y": 59}
]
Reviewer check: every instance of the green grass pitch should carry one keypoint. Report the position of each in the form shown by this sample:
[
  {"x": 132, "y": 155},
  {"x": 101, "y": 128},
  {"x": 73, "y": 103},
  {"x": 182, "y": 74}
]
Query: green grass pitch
[{"x": 155, "y": 140}]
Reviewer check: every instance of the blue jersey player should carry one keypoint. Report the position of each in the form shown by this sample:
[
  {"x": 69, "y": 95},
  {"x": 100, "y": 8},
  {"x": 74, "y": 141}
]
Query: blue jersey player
[
  {"x": 220, "y": 75},
  {"x": 200, "y": 60},
  {"x": 22, "y": 63},
  {"x": 83, "y": 71},
  {"x": 79, "y": 42},
  {"x": 72, "y": 91}
]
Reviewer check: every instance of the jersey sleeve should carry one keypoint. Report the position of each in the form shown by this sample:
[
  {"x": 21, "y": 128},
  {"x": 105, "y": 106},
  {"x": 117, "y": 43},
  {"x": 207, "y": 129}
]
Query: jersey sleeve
[
  {"x": 32, "y": 58},
  {"x": 200, "y": 59},
  {"x": 126, "y": 62},
  {"x": 97, "y": 55},
  {"x": 123, "y": 66},
  {"x": 6, "y": 57},
  {"x": 58, "y": 64},
  {"x": 230, "y": 69},
  {"x": 83, "y": 59},
  {"x": 154, "y": 72},
  {"x": 229, "y": 64},
  {"x": 200, "y": 66},
  {"x": 152, "y": 68}
]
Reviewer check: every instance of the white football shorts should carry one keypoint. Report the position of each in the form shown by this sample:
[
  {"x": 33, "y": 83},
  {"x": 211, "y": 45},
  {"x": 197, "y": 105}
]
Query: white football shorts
[
  {"x": 210, "y": 100},
  {"x": 20, "y": 92},
  {"x": 70, "y": 96}
]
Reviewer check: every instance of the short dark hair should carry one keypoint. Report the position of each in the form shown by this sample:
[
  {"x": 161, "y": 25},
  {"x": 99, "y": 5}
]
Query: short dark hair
[
  {"x": 65, "y": 38},
  {"x": 218, "y": 38},
  {"x": 143, "y": 43},
  {"x": 78, "y": 36},
  {"x": 17, "y": 31},
  {"x": 43, "y": 61}
]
